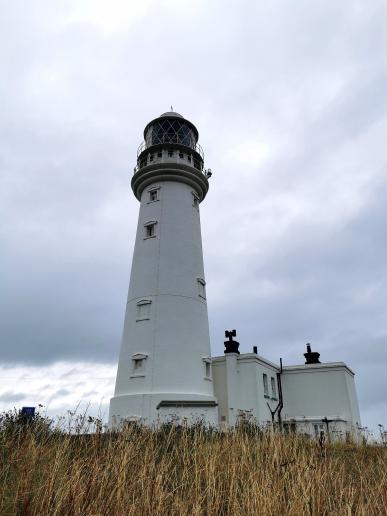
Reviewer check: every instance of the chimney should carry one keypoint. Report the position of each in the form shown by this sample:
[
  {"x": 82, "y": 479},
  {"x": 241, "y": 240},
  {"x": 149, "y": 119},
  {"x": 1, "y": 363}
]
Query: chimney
[
  {"x": 232, "y": 346},
  {"x": 311, "y": 357}
]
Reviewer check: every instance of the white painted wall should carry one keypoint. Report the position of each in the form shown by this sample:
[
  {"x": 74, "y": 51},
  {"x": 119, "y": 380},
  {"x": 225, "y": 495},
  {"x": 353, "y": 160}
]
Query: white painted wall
[
  {"x": 310, "y": 393},
  {"x": 320, "y": 390},
  {"x": 175, "y": 338},
  {"x": 238, "y": 385}
]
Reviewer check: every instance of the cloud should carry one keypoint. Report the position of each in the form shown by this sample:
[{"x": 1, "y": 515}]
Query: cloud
[
  {"x": 12, "y": 397},
  {"x": 291, "y": 105},
  {"x": 59, "y": 387}
]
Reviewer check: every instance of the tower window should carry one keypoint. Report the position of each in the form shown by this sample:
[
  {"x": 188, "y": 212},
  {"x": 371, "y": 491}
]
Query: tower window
[
  {"x": 143, "y": 310},
  {"x": 153, "y": 195},
  {"x": 151, "y": 156},
  {"x": 273, "y": 389},
  {"x": 150, "y": 229},
  {"x": 201, "y": 288},
  {"x": 195, "y": 200},
  {"x": 207, "y": 368},
  {"x": 160, "y": 154},
  {"x": 189, "y": 158},
  {"x": 265, "y": 385},
  {"x": 170, "y": 153},
  {"x": 181, "y": 155},
  {"x": 138, "y": 364}
]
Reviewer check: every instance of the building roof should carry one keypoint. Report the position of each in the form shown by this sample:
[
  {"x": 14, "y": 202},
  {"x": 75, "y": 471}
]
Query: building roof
[{"x": 172, "y": 113}]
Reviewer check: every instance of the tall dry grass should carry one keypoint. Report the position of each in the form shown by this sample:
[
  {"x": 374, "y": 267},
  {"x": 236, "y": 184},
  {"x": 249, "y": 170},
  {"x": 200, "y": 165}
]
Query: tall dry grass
[{"x": 186, "y": 471}]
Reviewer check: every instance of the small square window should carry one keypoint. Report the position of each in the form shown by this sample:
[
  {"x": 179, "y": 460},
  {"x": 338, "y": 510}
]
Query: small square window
[
  {"x": 151, "y": 156},
  {"x": 181, "y": 155},
  {"x": 170, "y": 153},
  {"x": 150, "y": 230},
  {"x": 138, "y": 364},
  {"x": 153, "y": 195},
  {"x": 189, "y": 158},
  {"x": 159, "y": 154},
  {"x": 143, "y": 310}
]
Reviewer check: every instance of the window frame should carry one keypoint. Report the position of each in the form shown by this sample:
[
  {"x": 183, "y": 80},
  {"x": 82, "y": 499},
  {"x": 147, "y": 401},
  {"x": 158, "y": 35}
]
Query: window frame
[
  {"x": 143, "y": 315},
  {"x": 201, "y": 283},
  {"x": 138, "y": 365},
  {"x": 207, "y": 363},
  {"x": 265, "y": 385},
  {"x": 150, "y": 191},
  {"x": 150, "y": 224},
  {"x": 273, "y": 388},
  {"x": 195, "y": 200}
]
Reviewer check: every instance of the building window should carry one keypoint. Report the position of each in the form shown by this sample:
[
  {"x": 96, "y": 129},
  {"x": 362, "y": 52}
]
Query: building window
[
  {"x": 195, "y": 200},
  {"x": 181, "y": 155},
  {"x": 189, "y": 158},
  {"x": 265, "y": 385},
  {"x": 138, "y": 364},
  {"x": 170, "y": 153},
  {"x": 273, "y": 389},
  {"x": 201, "y": 288},
  {"x": 151, "y": 156},
  {"x": 159, "y": 154},
  {"x": 150, "y": 229},
  {"x": 153, "y": 195},
  {"x": 143, "y": 310}
]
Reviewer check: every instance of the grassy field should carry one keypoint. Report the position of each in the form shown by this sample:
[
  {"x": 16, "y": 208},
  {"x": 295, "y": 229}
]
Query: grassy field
[{"x": 185, "y": 471}]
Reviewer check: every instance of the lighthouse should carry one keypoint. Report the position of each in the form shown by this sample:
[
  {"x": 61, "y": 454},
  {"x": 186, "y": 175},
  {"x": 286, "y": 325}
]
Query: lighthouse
[{"x": 165, "y": 370}]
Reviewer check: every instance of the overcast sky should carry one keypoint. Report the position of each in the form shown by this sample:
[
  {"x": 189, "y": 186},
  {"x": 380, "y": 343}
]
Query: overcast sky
[{"x": 290, "y": 100}]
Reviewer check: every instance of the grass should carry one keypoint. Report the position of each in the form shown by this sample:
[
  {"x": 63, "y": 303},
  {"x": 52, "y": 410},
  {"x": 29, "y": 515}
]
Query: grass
[{"x": 184, "y": 471}]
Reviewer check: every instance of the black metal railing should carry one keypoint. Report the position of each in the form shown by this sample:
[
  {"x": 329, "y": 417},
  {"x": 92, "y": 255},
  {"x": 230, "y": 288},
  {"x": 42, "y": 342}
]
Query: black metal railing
[{"x": 196, "y": 147}]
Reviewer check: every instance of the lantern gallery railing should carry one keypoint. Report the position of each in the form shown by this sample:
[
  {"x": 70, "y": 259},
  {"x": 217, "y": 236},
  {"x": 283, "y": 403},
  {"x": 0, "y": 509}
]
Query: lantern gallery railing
[{"x": 195, "y": 147}]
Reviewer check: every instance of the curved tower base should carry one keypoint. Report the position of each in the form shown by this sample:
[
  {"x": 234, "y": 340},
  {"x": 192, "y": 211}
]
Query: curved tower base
[{"x": 158, "y": 408}]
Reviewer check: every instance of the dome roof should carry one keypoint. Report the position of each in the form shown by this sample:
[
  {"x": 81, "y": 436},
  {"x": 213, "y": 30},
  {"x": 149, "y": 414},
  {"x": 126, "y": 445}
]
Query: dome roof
[{"x": 172, "y": 113}]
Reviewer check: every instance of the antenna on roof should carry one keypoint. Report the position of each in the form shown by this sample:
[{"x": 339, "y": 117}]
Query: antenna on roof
[{"x": 171, "y": 108}]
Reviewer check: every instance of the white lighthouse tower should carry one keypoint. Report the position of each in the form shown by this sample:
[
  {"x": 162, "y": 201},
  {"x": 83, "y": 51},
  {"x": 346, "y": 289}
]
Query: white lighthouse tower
[{"x": 164, "y": 369}]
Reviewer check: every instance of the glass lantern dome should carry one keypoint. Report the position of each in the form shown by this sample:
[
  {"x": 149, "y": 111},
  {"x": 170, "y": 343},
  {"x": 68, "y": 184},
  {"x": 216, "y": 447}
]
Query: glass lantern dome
[{"x": 171, "y": 127}]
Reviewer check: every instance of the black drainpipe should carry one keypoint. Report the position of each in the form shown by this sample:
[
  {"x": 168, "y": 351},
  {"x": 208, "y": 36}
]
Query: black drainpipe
[{"x": 281, "y": 403}]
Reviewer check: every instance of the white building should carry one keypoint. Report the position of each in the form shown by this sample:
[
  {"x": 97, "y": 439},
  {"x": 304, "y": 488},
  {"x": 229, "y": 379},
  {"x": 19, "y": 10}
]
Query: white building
[
  {"x": 309, "y": 398},
  {"x": 165, "y": 368}
]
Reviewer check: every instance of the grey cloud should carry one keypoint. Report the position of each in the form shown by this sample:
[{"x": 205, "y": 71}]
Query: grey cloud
[
  {"x": 294, "y": 247},
  {"x": 61, "y": 392},
  {"x": 12, "y": 397}
]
